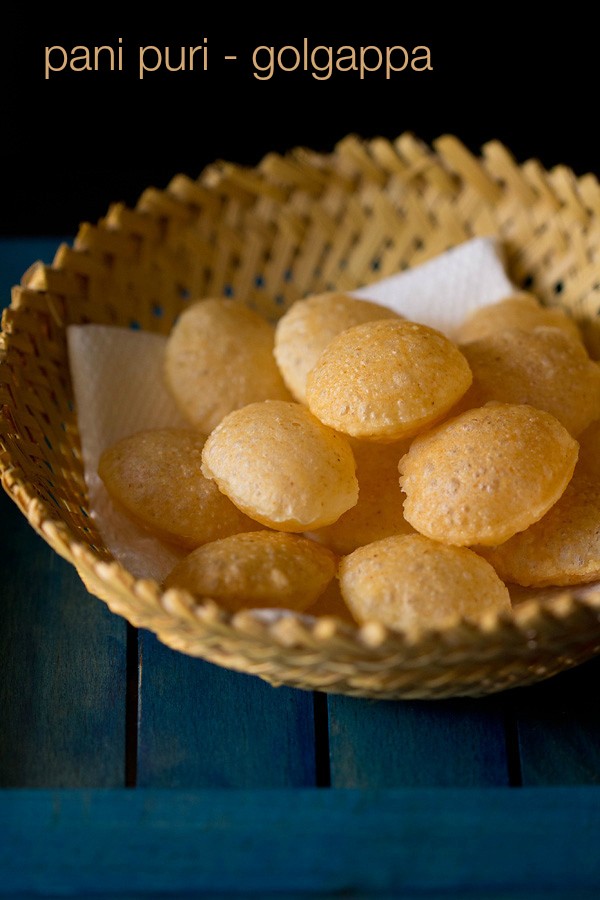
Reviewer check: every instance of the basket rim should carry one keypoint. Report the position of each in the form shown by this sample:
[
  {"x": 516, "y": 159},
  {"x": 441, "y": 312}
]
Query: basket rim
[{"x": 370, "y": 635}]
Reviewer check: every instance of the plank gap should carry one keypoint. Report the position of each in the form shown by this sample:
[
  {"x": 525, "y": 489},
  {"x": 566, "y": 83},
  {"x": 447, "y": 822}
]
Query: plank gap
[
  {"x": 131, "y": 708},
  {"x": 322, "y": 759}
]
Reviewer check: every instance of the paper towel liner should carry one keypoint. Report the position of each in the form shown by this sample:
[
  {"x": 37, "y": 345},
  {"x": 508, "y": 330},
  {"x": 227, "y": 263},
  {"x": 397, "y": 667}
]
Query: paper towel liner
[
  {"x": 445, "y": 290},
  {"x": 119, "y": 389}
]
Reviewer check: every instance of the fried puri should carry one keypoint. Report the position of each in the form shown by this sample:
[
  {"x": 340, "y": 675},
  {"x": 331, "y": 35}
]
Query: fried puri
[
  {"x": 156, "y": 478},
  {"x": 545, "y": 367},
  {"x": 589, "y": 449},
  {"x": 387, "y": 380},
  {"x": 219, "y": 357},
  {"x": 309, "y": 325},
  {"x": 486, "y": 474},
  {"x": 563, "y": 548},
  {"x": 257, "y": 569},
  {"x": 281, "y": 466},
  {"x": 331, "y": 604},
  {"x": 410, "y": 580},
  {"x": 379, "y": 512},
  {"x": 522, "y": 310}
]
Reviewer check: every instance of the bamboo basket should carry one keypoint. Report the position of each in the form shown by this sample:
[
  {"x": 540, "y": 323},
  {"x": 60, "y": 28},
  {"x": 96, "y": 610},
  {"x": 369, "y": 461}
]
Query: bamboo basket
[{"x": 296, "y": 224}]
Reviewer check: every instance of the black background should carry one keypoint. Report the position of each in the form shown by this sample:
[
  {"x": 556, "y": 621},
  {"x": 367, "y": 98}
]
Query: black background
[{"x": 75, "y": 142}]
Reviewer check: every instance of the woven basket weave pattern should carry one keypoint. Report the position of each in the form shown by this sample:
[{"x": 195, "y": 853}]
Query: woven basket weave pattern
[{"x": 297, "y": 224}]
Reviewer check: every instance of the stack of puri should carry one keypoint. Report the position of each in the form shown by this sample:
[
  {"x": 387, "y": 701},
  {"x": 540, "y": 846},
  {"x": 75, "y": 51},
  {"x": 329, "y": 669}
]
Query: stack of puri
[{"x": 347, "y": 461}]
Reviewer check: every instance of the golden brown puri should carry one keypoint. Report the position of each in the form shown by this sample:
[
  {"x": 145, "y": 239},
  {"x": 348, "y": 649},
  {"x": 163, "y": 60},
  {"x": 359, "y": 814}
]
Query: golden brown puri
[
  {"x": 521, "y": 310},
  {"x": 331, "y": 603},
  {"x": 387, "y": 380},
  {"x": 309, "y": 325},
  {"x": 219, "y": 357},
  {"x": 563, "y": 547},
  {"x": 486, "y": 474},
  {"x": 545, "y": 367},
  {"x": 257, "y": 570},
  {"x": 281, "y": 466},
  {"x": 379, "y": 512},
  {"x": 410, "y": 580},
  {"x": 589, "y": 449},
  {"x": 156, "y": 478}
]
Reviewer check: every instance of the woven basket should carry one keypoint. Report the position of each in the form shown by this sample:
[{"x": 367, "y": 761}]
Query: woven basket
[{"x": 297, "y": 224}]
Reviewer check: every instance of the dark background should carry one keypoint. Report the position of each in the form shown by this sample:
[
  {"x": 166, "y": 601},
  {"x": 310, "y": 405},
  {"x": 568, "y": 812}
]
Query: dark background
[{"x": 74, "y": 143}]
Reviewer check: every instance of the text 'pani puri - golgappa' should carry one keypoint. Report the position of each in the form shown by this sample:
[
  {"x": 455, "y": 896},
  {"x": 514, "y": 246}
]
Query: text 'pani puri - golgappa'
[
  {"x": 281, "y": 466},
  {"x": 486, "y": 474},
  {"x": 410, "y": 580},
  {"x": 545, "y": 367},
  {"x": 257, "y": 569},
  {"x": 521, "y": 310},
  {"x": 219, "y": 357},
  {"x": 563, "y": 547},
  {"x": 387, "y": 380},
  {"x": 156, "y": 477},
  {"x": 310, "y": 324}
]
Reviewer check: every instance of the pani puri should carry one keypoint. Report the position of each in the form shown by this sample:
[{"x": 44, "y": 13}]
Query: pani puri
[
  {"x": 521, "y": 310},
  {"x": 331, "y": 604},
  {"x": 219, "y": 357},
  {"x": 486, "y": 474},
  {"x": 410, "y": 580},
  {"x": 281, "y": 466},
  {"x": 257, "y": 570},
  {"x": 309, "y": 325},
  {"x": 379, "y": 512},
  {"x": 387, "y": 380},
  {"x": 589, "y": 449},
  {"x": 156, "y": 478},
  {"x": 545, "y": 367},
  {"x": 563, "y": 548}
]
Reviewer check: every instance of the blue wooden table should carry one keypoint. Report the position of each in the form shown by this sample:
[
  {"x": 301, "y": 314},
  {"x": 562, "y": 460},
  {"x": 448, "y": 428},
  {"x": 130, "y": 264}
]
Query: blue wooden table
[{"x": 129, "y": 770}]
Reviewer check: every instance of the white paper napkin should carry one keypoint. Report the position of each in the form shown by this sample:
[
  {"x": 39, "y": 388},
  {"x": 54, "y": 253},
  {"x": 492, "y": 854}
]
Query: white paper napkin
[
  {"x": 119, "y": 388},
  {"x": 443, "y": 291}
]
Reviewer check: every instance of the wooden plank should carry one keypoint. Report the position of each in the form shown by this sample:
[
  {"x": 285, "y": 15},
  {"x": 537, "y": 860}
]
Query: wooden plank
[
  {"x": 558, "y": 728},
  {"x": 450, "y": 743},
  {"x": 479, "y": 842},
  {"x": 203, "y": 726},
  {"x": 62, "y": 653},
  {"x": 62, "y": 659}
]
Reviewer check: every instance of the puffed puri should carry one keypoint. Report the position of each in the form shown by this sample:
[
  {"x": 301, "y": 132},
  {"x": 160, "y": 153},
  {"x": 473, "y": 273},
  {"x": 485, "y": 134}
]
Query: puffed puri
[
  {"x": 155, "y": 477},
  {"x": 219, "y": 357},
  {"x": 257, "y": 569},
  {"x": 408, "y": 581},
  {"x": 543, "y": 367},
  {"x": 387, "y": 380},
  {"x": 563, "y": 548},
  {"x": 281, "y": 466},
  {"x": 303, "y": 333},
  {"x": 521, "y": 310},
  {"x": 487, "y": 474}
]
